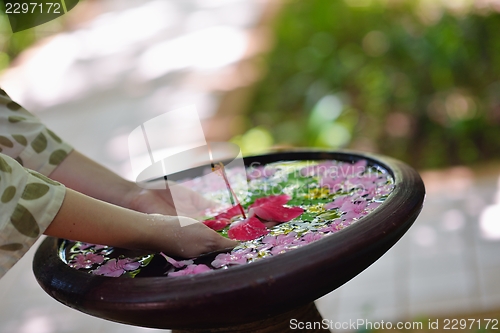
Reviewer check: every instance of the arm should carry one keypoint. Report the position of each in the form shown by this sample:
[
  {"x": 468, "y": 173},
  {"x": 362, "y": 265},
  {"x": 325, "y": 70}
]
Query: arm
[
  {"x": 82, "y": 174},
  {"x": 94, "y": 221}
]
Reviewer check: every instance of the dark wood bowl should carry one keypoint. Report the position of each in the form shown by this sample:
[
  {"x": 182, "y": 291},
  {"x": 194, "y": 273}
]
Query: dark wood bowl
[{"x": 249, "y": 292}]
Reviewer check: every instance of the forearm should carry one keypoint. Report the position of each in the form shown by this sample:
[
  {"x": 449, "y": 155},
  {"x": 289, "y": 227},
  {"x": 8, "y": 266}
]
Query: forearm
[
  {"x": 86, "y": 219},
  {"x": 89, "y": 220},
  {"x": 82, "y": 174}
]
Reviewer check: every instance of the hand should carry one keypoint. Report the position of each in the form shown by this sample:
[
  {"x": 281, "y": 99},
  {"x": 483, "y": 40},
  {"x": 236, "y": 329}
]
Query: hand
[
  {"x": 184, "y": 237},
  {"x": 93, "y": 221},
  {"x": 187, "y": 202}
]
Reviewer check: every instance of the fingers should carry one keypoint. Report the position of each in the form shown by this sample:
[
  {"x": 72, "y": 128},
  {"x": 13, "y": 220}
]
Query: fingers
[
  {"x": 225, "y": 243},
  {"x": 187, "y": 238}
]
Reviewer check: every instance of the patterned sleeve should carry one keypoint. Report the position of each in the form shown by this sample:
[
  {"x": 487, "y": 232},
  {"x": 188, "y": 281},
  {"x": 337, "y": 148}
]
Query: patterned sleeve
[
  {"x": 24, "y": 138},
  {"x": 29, "y": 200}
]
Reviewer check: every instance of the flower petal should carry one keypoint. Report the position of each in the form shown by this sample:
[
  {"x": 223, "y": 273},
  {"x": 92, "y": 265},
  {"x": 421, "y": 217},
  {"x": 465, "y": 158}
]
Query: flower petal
[
  {"x": 274, "y": 199},
  {"x": 230, "y": 213},
  {"x": 276, "y": 213},
  {"x": 217, "y": 224},
  {"x": 248, "y": 229}
]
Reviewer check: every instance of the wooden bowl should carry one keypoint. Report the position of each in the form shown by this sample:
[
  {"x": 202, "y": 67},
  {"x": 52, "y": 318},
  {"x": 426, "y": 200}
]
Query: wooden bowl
[{"x": 244, "y": 293}]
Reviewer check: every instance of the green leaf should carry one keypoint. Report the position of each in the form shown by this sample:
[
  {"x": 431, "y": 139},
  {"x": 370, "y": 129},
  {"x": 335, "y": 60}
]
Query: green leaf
[
  {"x": 329, "y": 215},
  {"x": 11, "y": 247},
  {"x": 5, "y": 141},
  {"x": 34, "y": 191},
  {"x": 8, "y": 194},
  {"x": 132, "y": 274},
  {"x": 21, "y": 139},
  {"x": 40, "y": 143},
  {"x": 13, "y": 106},
  {"x": 24, "y": 222},
  {"x": 146, "y": 260},
  {"x": 16, "y": 119},
  {"x": 57, "y": 156},
  {"x": 4, "y": 166}
]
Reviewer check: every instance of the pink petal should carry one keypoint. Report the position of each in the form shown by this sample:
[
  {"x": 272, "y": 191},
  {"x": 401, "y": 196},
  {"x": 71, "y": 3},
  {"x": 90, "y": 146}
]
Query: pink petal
[
  {"x": 311, "y": 237},
  {"x": 279, "y": 249},
  {"x": 109, "y": 269},
  {"x": 175, "y": 263},
  {"x": 374, "y": 205},
  {"x": 191, "y": 270},
  {"x": 248, "y": 229},
  {"x": 338, "y": 202},
  {"x": 225, "y": 259},
  {"x": 217, "y": 224},
  {"x": 333, "y": 184},
  {"x": 275, "y": 199},
  {"x": 354, "y": 207},
  {"x": 131, "y": 266},
  {"x": 272, "y": 212},
  {"x": 230, "y": 213}
]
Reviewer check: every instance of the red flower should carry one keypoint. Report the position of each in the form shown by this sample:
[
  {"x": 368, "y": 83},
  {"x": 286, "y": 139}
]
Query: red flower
[
  {"x": 116, "y": 267},
  {"x": 222, "y": 220},
  {"x": 272, "y": 209},
  {"x": 248, "y": 229},
  {"x": 269, "y": 209},
  {"x": 217, "y": 224}
]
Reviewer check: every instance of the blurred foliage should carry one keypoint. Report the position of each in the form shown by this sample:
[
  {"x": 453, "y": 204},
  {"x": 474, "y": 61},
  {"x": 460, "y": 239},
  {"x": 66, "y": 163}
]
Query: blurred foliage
[
  {"x": 12, "y": 44},
  {"x": 418, "y": 83}
]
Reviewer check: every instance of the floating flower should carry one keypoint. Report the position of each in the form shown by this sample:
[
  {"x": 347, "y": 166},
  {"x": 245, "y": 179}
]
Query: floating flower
[
  {"x": 280, "y": 243},
  {"x": 338, "y": 202},
  {"x": 248, "y": 229},
  {"x": 271, "y": 209},
  {"x": 333, "y": 227},
  {"x": 310, "y": 237},
  {"x": 191, "y": 270},
  {"x": 353, "y": 210},
  {"x": 333, "y": 184},
  {"x": 266, "y": 209},
  {"x": 175, "y": 263},
  {"x": 282, "y": 248},
  {"x": 223, "y": 219},
  {"x": 116, "y": 268},
  {"x": 287, "y": 239},
  {"x": 238, "y": 257},
  {"x": 86, "y": 260},
  {"x": 217, "y": 224}
]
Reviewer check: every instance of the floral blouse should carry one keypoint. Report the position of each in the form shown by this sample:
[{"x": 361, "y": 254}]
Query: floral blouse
[{"x": 29, "y": 200}]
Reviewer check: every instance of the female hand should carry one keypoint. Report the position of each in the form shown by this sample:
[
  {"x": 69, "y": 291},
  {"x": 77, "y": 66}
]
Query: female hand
[{"x": 187, "y": 202}]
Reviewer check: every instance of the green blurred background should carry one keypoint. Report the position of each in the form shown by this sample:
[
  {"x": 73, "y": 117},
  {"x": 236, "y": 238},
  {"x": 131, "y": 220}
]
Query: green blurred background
[{"x": 416, "y": 80}]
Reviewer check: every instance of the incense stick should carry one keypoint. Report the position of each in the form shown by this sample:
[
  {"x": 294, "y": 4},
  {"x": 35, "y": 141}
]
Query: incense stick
[
  {"x": 223, "y": 173},
  {"x": 232, "y": 195}
]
